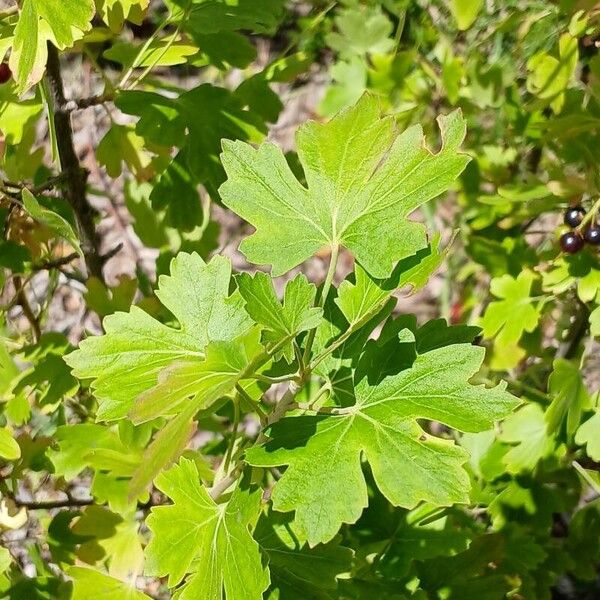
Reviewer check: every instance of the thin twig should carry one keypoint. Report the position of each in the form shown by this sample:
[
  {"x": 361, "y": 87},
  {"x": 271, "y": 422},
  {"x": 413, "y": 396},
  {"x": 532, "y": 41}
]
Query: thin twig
[
  {"x": 22, "y": 299},
  {"x": 48, "y": 265},
  {"x": 83, "y": 103},
  {"x": 48, "y": 504}
]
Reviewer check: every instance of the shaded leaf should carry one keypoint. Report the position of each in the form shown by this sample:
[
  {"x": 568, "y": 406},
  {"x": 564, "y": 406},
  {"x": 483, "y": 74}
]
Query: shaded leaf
[{"x": 50, "y": 219}]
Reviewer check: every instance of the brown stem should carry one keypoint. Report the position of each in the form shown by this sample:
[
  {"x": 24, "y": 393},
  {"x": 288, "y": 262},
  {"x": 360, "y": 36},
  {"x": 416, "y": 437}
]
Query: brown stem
[
  {"x": 56, "y": 263},
  {"x": 75, "y": 175},
  {"x": 27, "y": 310},
  {"x": 48, "y": 504},
  {"x": 82, "y": 103}
]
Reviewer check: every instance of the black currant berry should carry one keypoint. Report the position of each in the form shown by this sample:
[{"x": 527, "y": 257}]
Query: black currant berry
[
  {"x": 592, "y": 235},
  {"x": 571, "y": 242},
  {"x": 5, "y": 73},
  {"x": 574, "y": 215}
]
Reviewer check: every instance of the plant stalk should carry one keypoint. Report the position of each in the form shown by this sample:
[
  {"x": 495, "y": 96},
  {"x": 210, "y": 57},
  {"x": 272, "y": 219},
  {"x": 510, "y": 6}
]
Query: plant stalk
[{"x": 74, "y": 175}]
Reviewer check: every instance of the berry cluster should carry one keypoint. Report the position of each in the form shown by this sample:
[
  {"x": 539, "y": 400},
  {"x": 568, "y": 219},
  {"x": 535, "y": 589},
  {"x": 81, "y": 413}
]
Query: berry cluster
[
  {"x": 573, "y": 241},
  {"x": 5, "y": 73}
]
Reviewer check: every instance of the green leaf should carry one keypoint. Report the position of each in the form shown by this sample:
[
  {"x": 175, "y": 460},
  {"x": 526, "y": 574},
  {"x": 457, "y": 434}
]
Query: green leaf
[
  {"x": 199, "y": 384},
  {"x": 9, "y": 449},
  {"x": 360, "y": 299},
  {"x": 115, "y": 12},
  {"x": 588, "y": 435},
  {"x": 5, "y": 560},
  {"x": 582, "y": 270},
  {"x": 324, "y": 482},
  {"x": 127, "y": 360},
  {"x": 595, "y": 322},
  {"x": 549, "y": 76},
  {"x": 465, "y": 12},
  {"x": 360, "y": 31},
  {"x": 211, "y": 542},
  {"x": 14, "y": 256},
  {"x": 348, "y": 85},
  {"x": 569, "y": 397},
  {"x": 89, "y": 583},
  {"x": 50, "y": 219},
  {"x": 298, "y": 571},
  {"x": 363, "y": 182},
  {"x": 214, "y": 26},
  {"x": 527, "y": 429},
  {"x": 122, "y": 145},
  {"x": 176, "y": 192},
  {"x": 174, "y": 122},
  {"x": 60, "y": 22},
  {"x": 48, "y": 378},
  {"x": 297, "y": 314},
  {"x": 90, "y": 445},
  {"x": 159, "y": 53},
  {"x": 164, "y": 449},
  {"x": 17, "y": 115},
  {"x": 507, "y": 319},
  {"x": 214, "y": 16}
]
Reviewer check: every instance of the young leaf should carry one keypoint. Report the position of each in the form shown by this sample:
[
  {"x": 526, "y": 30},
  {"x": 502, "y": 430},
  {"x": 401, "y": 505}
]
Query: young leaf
[
  {"x": 164, "y": 449},
  {"x": 122, "y": 145},
  {"x": 595, "y": 322},
  {"x": 60, "y": 22},
  {"x": 77, "y": 444},
  {"x": 589, "y": 435},
  {"x": 527, "y": 429},
  {"x": 324, "y": 481},
  {"x": 89, "y": 583},
  {"x": 160, "y": 53},
  {"x": 582, "y": 270},
  {"x": 9, "y": 449},
  {"x": 570, "y": 397},
  {"x": 211, "y": 542},
  {"x": 506, "y": 319},
  {"x": 225, "y": 364},
  {"x": 361, "y": 31},
  {"x": 115, "y": 12},
  {"x": 549, "y": 76},
  {"x": 297, "y": 314},
  {"x": 50, "y": 219},
  {"x": 17, "y": 116},
  {"x": 465, "y": 12},
  {"x": 360, "y": 299},
  {"x": 127, "y": 359},
  {"x": 5, "y": 559},
  {"x": 363, "y": 179}
]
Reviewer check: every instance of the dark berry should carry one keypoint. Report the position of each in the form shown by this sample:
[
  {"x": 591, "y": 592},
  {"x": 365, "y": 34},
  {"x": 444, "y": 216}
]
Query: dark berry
[
  {"x": 574, "y": 215},
  {"x": 5, "y": 73},
  {"x": 592, "y": 235},
  {"x": 571, "y": 242}
]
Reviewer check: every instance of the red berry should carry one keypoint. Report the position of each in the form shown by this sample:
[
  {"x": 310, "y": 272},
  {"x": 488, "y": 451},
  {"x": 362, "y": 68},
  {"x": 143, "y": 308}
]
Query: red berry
[
  {"x": 571, "y": 242},
  {"x": 5, "y": 73},
  {"x": 574, "y": 216},
  {"x": 592, "y": 235}
]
